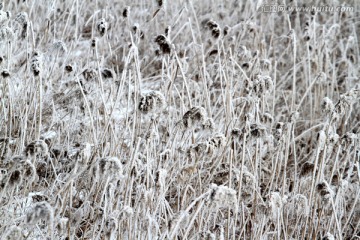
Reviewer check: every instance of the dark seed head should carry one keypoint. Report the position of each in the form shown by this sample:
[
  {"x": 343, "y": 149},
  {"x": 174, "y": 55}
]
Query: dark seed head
[
  {"x": 69, "y": 68},
  {"x": 15, "y": 177},
  {"x": 93, "y": 42},
  {"x": 163, "y": 43},
  {"x": 306, "y": 169},
  {"x": 107, "y": 73},
  {"x": 125, "y": 12},
  {"x": 5, "y": 73},
  {"x": 214, "y": 28}
]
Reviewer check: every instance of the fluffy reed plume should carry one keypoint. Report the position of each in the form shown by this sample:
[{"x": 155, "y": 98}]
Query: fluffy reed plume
[
  {"x": 257, "y": 130},
  {"x": 187, "y": 172},
  {"x": 163, "y": 43},
  {"x": 40, "y": 211},
  {"x": 349, "y": 139},
  {"x": 325, "y": 192},
  {"x": 219, "y": 140},
  {"x": 300, "y": 205},
  {"x": 151, "y": 101},
  {"x": 327, "y": 106},
  {"x": 262, "y": 85},
  {"x": 22, "y": 169},
  {"x": 128, "y": 211},
  {"x": 265, "y": 65},
  {"x": 15, "y": 178},
  {"x": 90, "y": 74},
  {"x": 306, "y": 169},
  {"x": 346, "y": 101},
  {"x": 222, "y": 196},
  {"x": 266, "y": 118},
  {"x": 37, "y": 148},
  {"x": 197, "y": 116},
  {"x": 249, "y": 185},
  {"x": 110, "y": 167},
  {"x": 207, "y": 147},
  {"x": 277, "y": 202}
]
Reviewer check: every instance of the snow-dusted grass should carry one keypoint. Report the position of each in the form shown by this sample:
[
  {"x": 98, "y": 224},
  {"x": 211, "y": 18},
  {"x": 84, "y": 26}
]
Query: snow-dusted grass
[{"x": 178, "y": 120}]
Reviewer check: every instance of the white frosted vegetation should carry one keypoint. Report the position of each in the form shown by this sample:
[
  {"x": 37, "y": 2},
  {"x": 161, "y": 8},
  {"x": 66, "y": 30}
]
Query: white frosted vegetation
[{"x": 178, "y": 120}]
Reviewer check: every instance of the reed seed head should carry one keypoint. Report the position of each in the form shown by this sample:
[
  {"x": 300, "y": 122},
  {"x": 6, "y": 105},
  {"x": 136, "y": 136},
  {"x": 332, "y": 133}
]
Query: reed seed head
[
  {"x": 151, "y": 101},
  {"x": 214, "y": 28},
  {"x": 163, "y": 43},
  {"x": 40, "y": 211}
]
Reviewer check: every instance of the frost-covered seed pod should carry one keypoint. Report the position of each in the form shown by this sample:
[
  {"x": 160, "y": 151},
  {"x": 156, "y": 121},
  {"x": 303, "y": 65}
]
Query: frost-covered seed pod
[
  {"x": 223, "y": 196},
  {"x": 214, "y": 28},
  {"x": 163, "y": 43},
  {"x": 110, "y": 167},
  {"x": 102, "y": 26},
  {"x": 219, "y": 140},
  {"x": 327, "y": 105},
  {"x": 276, "y": 203},
  {"x": 161, "y": 3},
  {"x": 151, "y": 101},
  {"x": 306, "y": 169},
  {"x": 126, "y": 12},
  {"x": 90, "y": 74},
  {"x": 5, "y": 73},
  {"x": 36, "y": 63},
  {"x": 160, "y": 178},
  {"x": 193, "y": 116},
  {"x": 128, "y": 211},
  {"x": 257, "y": 130},
  {"x": 37, "y": 148},
  {"x": 325, "y": 192}
]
